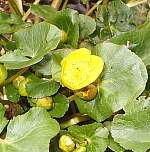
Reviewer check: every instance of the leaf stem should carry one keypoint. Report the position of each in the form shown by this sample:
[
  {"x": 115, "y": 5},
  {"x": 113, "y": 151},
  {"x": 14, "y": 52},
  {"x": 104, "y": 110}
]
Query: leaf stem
[
  {"x": 5, "y": 102},
  {"x": 134, "y": 3},
  {"x": 74, "y": 120},
  {"x": 9, "y": 80},
  {"x": 25, "y": 16},
  {"x": 93, "y": 8},
  {"x": 65, "y": 4},
  {"x": 16, "y": 6},
  {"x": 56, "y": 4},
  {"x": 71, "y": 98}
]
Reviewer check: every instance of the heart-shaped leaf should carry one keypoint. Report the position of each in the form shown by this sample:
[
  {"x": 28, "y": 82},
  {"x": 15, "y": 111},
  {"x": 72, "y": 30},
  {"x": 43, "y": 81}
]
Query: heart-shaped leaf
[
  {"x": 124, "y": 78},
  {"x": 95, "y": 134},
  {"x": 67, "y": 20},
  {"x": 132, "y": 129},
  {"x": 137, "y": 40},
  {"x": 32, "y": 44},
  {"x": 42, "y": 88},
  {"x": 24, "y": 132}
]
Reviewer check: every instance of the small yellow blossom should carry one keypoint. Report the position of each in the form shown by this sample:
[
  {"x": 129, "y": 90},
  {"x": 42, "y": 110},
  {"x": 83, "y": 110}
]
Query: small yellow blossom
[{"x": 80, "y": 69}]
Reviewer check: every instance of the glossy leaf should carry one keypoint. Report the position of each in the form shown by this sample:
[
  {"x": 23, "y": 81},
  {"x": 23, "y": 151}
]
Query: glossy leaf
[
  {"x": 124, "y": 78},
  {"x": 137, "y": 40},
  {"x": 66, "y": 20},
  {"x": 95, "y": 134},
  {"x": 11, "y": 23},
  {"x": 42, "y": 88},
  {"x": 87, "y": 25},
  {"x": 114, "y": 145},
  {"x": 32, "y": 43},
  {"x": 12, "y": 93},
  {"x": 61, "y": 105},
  {"x": 3, "y": 120},
  {"x": 24, "y": 132},
  {"x": 132, "y": 129}
]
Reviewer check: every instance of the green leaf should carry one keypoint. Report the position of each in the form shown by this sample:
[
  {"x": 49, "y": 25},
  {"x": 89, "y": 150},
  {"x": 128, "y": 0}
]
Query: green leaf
[
  {"x": 67, "y": 20},
  {"x": 32, "y": 43},
  {"x": 42, "y": 88},
  {"x": 56, "y": 65},
  {"x": 131, "y": 130},
  {"x": 11, "y": 23},
  {"x": 3, "y": 120},
  {"x": 137, "y": 40},
  {"x": 113, "y": 18},
  {"x": 6, "y": 28},
  {"x": 121, "y": 16},
  {"x": 95, "y": 134},
  {"x": 12, "y": 93},
  {"x": 51, "y": 63},
  {"x": 87, "y": 25},
  {"x": 132, "y": 3},
  {"x": 10, "y": 18},
  {"x": 30, "y": 132},
  {"x": 124, "y": 78},
  {"x": 114, "y": 145},
  {"x": 44, "y": 66},
  {"x": 85, "y": 1},
  {"x": 61, "y": 105}
]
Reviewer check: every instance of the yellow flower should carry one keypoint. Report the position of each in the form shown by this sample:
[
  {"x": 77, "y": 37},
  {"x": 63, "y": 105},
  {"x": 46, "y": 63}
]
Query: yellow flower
[{"x": 80, "y": 69}]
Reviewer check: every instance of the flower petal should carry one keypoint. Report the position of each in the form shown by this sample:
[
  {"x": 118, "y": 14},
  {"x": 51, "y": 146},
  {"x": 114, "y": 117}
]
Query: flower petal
[{"x": 80, "y": 68}]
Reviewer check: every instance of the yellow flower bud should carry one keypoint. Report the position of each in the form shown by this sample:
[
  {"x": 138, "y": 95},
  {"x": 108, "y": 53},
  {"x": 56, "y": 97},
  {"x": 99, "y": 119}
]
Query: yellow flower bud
[
  {"x": 87, "y": 93},
  {"x": 3, "y": 73},
  {"x": 22, "y": 88},
  {"x": 80, "y": 69},
  {"x": 17, "y": 81},
  {"x": 46, "y": 102},
  {"x": 66, "y": 144},
  {"x": 63, "y": 36}
]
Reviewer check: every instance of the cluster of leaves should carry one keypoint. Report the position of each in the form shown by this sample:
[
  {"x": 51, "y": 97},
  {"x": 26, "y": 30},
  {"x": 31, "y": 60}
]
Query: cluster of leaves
[{"x": 118, "y": 117}]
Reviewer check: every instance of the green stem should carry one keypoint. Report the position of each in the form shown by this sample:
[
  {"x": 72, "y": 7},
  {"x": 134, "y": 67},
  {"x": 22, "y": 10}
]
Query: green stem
[
  {"x": 3, "y": 38},
  {"x": 74, "y": 120},
  {"x": 105, "y": 2},
  {"x": 65, "y": 4},
  {"x": 56, "y": 4},
  {"x": 15, "y": 6},
  {"x": 5, "y": 102},
  {"x": 71, "y": 98},
  {"x": 37, "y": 19},
  {"x": 25, "y": 16},
  {"x": 134, "y": 3},
  {"x": 93, "y": 8},
  {"x": 9, "y": 80}
]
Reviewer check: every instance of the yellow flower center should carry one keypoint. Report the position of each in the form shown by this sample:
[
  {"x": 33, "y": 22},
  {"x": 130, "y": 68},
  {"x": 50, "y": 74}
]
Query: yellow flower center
[{"x": 80, "y": 68}]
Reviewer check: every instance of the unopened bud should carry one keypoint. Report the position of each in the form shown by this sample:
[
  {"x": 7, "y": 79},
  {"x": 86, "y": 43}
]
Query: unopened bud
[
  {"x": 66, "y": 144},
  {"x": 87, "y": 93},
  {"x": 3, "y": 73},
  {"x": 63, "y": 36},
  {"x": 22, "y": 88},
  {"x": 17, "y": 81},
  {"x": 46, "y": 102}
]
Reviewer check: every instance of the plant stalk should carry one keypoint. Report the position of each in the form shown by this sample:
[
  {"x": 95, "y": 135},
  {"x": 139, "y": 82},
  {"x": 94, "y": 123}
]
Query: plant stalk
[
  {"x": 9, "y": 80},
  {"x": 56, "y": 4},
  {"x": 93, "y": 8},
  {"x": 74, "y": 120},
  {"x": 25, "y": 16},
  {"x": 65, "y": 4},
  {"x": 16, "y": 6}
]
